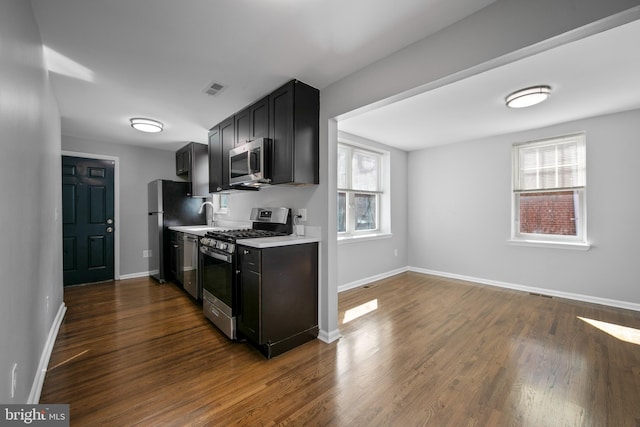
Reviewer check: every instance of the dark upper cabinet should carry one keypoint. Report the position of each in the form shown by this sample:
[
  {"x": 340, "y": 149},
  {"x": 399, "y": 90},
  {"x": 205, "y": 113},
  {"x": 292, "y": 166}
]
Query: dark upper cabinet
[
  {"x": 294, "y": 111},
  {"x": 221, "y": 140},
  {"x": 215, "y": 160},
  {"x": 290, "y": 118},
  {"x": 183, "y": 159},
  {"x": 252, "y": 122},
  {"x": 192, "y": 164},
  {"x": 242, "y": 123},
  {"x": 227, "y": 142},
  {"x": 259, "y": 114}
]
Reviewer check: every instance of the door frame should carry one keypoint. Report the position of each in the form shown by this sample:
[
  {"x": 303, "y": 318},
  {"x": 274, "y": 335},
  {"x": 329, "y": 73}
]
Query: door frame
[{"x": 116, "y": 202}]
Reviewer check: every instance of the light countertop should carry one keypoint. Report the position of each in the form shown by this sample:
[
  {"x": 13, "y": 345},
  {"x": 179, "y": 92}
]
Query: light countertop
[
  {"x": 261, "y": 242},
  {"x": 272, "y": 242},
  {"x": 198, "y": 230}
]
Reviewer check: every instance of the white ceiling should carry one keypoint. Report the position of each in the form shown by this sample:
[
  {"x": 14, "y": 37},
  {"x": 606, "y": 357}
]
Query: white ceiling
[
  {"x": 593, "y": 76},
  {"x": 116, "y": 59}
]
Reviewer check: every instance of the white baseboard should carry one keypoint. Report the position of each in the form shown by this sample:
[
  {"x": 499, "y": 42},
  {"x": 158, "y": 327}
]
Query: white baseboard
[
  {"x": 577, "y": 297},
  {"x": 367, "y": 280},
  {"x": 38, "y": 381},
  {"x": 137, "y": 275},
  {"x": 329, "y": 337}
]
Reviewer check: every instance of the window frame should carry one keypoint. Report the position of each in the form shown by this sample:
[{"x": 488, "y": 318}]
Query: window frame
[
  {"x": 579, "y": 240},
  {"x": 221, "y": 203},
  {"x": 350, "y": 230}
]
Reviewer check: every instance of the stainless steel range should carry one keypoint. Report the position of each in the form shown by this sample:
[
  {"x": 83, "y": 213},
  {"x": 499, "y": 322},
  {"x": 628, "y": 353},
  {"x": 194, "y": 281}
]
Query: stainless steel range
[{"x": 219, "y": 267}]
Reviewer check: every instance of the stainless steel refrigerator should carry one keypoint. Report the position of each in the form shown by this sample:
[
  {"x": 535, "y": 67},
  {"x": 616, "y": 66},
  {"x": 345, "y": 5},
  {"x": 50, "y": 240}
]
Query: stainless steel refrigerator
[{"x": 169, "y": 205}]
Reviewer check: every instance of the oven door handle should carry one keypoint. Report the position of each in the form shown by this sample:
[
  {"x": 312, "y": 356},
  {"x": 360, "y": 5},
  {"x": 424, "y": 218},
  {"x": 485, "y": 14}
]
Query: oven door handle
[{"x": 221, "y": 257}]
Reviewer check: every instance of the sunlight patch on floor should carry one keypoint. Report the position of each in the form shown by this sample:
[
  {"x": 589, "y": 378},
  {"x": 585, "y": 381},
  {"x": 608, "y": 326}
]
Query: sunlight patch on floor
[
  {"x": 69, "y": 360},
  {"x": 361, "y": 310},
  {"x": 623, "y": 333}
]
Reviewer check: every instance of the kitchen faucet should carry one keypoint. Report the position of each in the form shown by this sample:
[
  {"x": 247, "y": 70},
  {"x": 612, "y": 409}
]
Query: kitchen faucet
[{"x": 203, "y": 205}]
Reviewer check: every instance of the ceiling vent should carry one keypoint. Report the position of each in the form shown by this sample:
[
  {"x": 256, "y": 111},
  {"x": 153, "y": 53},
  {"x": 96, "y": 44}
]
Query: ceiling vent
[{"x": 213, "y": 89}]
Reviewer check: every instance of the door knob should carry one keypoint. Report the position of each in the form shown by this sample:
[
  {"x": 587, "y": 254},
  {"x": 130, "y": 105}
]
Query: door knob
[{"x": 109, "y": 229}]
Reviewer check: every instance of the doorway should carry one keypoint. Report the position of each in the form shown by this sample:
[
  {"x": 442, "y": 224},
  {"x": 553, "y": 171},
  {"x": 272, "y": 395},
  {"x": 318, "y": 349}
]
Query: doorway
[{"x": 89, "y": 221}]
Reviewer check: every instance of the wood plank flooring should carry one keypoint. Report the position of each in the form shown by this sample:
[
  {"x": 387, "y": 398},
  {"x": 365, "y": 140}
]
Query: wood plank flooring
[{"x": 423, "y": 351}]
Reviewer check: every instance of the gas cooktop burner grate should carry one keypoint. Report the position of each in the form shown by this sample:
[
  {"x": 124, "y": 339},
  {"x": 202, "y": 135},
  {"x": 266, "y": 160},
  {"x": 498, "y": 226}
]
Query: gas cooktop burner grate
[{"x": 242, "y": 234}]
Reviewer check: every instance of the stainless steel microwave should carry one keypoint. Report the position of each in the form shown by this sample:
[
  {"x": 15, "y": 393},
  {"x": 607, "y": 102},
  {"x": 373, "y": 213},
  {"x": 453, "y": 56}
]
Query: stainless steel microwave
[{"x": 249, "y": 164}]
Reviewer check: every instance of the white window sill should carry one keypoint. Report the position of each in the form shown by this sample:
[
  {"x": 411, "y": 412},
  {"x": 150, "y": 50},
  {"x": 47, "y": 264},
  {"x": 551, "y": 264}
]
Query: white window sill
[
  {"x": 556, "y": 245},
  {"x": 343, "y": 240}
]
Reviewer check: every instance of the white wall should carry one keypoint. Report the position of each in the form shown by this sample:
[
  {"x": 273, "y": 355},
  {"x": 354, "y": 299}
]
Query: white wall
[
  {"x": 293, "y": 197},
  {"x": 504, "y": 31},
  {"x": 30, "y": 186},
  {"x": 460, "y": 211},
  {"x": 138, "y": 166},
  {"x": 363, "y": 261}
]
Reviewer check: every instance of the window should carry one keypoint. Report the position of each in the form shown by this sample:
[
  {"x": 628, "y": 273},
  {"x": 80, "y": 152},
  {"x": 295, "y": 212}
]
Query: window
[
  {"x": 359, "y": 190},
  {"x": 221, "y": 203},
  {"x": 549, "y": 179}
]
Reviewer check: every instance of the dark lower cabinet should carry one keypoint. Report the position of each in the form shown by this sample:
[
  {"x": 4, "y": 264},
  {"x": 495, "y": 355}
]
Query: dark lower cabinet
[{"x": 278, "y": 296}]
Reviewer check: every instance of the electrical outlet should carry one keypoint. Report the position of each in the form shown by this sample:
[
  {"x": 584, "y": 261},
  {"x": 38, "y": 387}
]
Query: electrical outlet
[
  {"x": 302, "y": 213},
  {"x": 14, "y": 379},
  {"x": 147, "y": 253},
  {"x": 395, "y": 252}
]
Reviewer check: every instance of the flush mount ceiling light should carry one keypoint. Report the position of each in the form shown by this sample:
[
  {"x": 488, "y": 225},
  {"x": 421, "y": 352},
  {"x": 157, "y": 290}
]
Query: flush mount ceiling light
[
  {"x": 146, "y": 125},
  {"x": 528, "y": 97}
]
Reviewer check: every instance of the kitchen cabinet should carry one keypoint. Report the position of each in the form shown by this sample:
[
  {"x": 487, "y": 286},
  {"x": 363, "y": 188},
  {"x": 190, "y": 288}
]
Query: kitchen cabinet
[
  {"x": 252, "y": 122},
  {"x": 294, "y": 111},
  {"x": 215, "y": 160},
  {"x": 278, "y": 293},
  {"x": 221, "y": 140},
  {"x": 192, "y": 164},
  {"x": 290, "y": 118},
  {"x": 182, "y": 160}
]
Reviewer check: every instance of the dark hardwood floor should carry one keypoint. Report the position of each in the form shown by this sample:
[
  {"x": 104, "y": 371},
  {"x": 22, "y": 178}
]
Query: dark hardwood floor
[{"x": 423, "y": 351}]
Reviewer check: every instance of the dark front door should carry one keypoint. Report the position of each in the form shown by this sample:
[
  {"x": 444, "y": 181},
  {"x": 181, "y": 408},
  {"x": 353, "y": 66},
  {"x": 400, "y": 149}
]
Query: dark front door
[{"x": 88, "y": 221}]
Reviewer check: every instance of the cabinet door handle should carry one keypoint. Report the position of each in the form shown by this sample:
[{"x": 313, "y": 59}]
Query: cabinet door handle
[{"x": 246, "y": 252}]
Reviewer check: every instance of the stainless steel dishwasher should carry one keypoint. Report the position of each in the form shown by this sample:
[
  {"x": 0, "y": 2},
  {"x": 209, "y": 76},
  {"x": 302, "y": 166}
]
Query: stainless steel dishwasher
[{"x": 190, "y": 266}]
